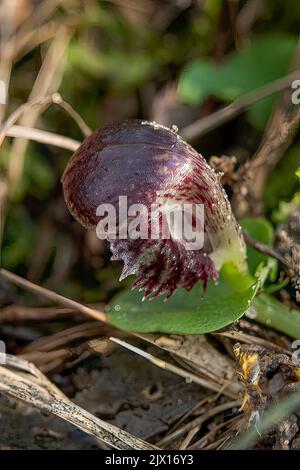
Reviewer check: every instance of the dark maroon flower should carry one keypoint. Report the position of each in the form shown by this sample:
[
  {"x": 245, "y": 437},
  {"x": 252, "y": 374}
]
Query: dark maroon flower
[{"x": 151, "y": 164}]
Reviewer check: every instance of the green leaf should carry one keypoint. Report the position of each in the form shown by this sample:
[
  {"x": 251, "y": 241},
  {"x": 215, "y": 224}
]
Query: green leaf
[
  {"x": 275, "y": 287},
  {"x": 203, "y": 73},
  {"x": 265, "y": 59},
  {"x": 186, "y": 313}
]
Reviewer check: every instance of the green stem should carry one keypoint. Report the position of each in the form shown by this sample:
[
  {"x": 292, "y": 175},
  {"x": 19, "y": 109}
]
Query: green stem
[{"x": 272, "y": 313}]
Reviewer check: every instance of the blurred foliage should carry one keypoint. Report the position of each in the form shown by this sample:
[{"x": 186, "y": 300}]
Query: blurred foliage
[
  {"x": 120, "y": 59},
  {"x": 265, "y": 59},
  {"x": 281, "y": 214},
  {"x": 38, "y": 176},
  {"x": 285, "y": 171},
  {"x": 19, "y": 238}
]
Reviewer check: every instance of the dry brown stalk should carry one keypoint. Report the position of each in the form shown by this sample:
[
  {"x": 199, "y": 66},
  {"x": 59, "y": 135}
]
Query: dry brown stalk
[{"x": 34, "y": 388}]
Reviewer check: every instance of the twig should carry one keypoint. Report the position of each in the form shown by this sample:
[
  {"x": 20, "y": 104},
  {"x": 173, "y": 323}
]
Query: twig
[
  {"x": 228, "y": 391},
  {"x": 206, "y": 400},
  {"x": 41, "y": 13},
  {"x": 30, "y": 40},
  {"x": 196, "y": 352},
  {"x": 8, "y": 128},
  {"x": 69, "y": 355},
  {"x": 189, "y": 376},
  {"x": 85, "y": 129},
  {"x": 16, "y": 314},
  {"x": 47, "y": 82},
  {"x": 190, "y": 436},
  {"x": 7, "y": 45},
  {"x": 239, "y": 336},
  {"x": 278, "y": 136},
  {"x": 65, "y": 337},
  {"x": 266, "y": 250},
  {"x": 53, "y": 296},
  {"x": 204, "y": 125},
  {"x": 198, "y": 422},
  {"x": 218, "y": 444},
  {"x": 15, "y": 115},
  {"x": 38, "y": 391},
  {"x": 247, "y": 17},
  {"x": 44, "y": 137},
  {"x": 201, "y": 443}
]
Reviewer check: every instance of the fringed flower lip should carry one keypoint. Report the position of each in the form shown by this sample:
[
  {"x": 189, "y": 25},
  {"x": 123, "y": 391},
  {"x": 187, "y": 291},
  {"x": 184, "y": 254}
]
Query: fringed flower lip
[{"x": 151, "y": 164}]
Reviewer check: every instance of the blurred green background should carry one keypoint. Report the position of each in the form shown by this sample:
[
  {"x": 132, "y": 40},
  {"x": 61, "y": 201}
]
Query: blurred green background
[{"x": 168, "y": 61}]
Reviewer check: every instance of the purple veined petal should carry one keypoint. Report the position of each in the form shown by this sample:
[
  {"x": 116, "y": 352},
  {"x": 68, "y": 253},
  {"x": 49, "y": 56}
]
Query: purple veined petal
[{"x": 152, "y": 166}]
